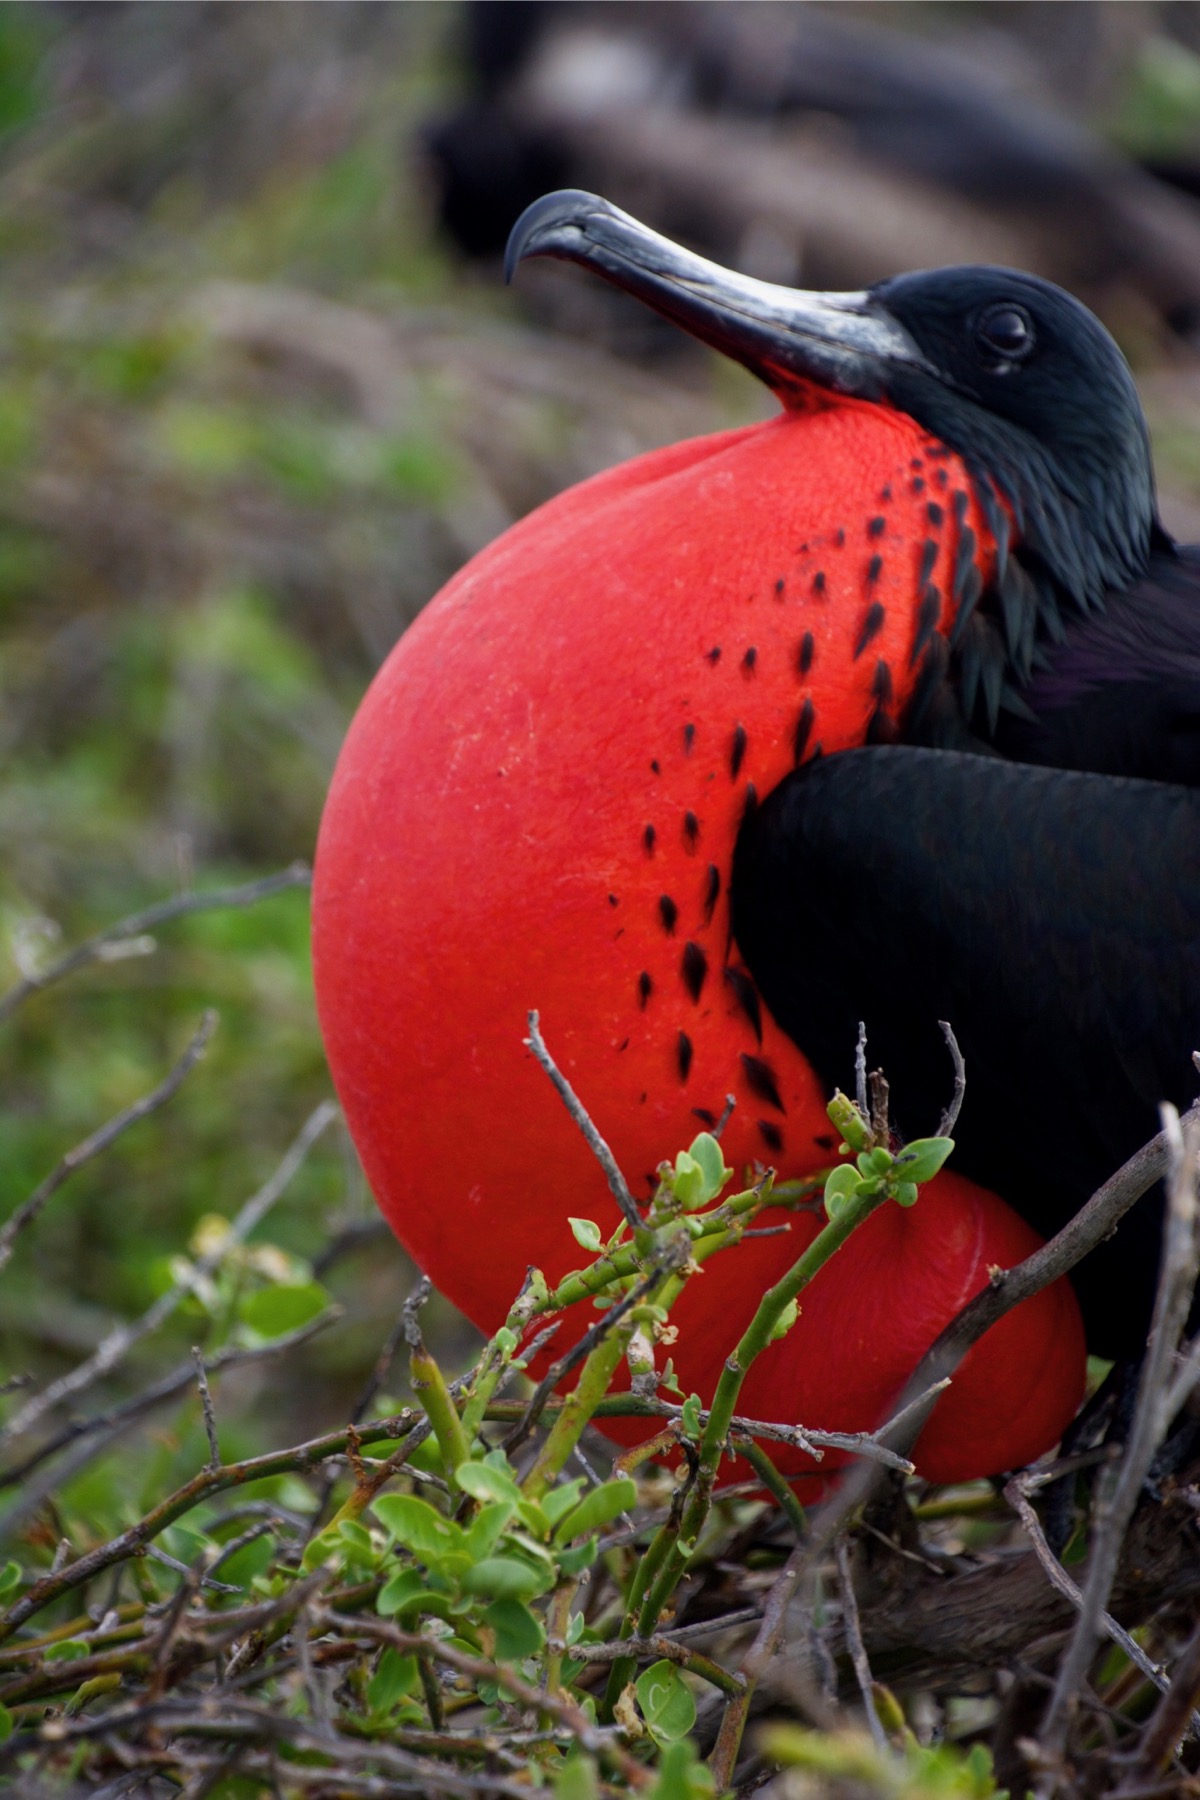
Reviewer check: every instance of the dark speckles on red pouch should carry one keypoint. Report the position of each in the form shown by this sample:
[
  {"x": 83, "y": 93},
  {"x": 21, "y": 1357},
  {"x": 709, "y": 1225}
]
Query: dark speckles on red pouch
[
  {"x": 839, "y": 537},
  {"x": 683, "y": 1055},
  {"x": 806, "y": 652},
  {"x": 760, "y": 1079},
  {"x": 737, "y": 750},
  {"x": 874, "y": 569},
  {"x": 713, "y": 656},
  {"x": 613, "y": 901},
  {"x": 712, "y": 891},
  {"x": 707, "y": 1119},
  {"x": 691, "y": 832},
  {"x": 917, "y": 485},
  {"x": 876, "y": 526},
  {"x": 741, "y": 985},
  {"x": 881, "y": 684},
  {"x": 885, "y": 494},
  {"x": 958, "y": 505},
  {"x": 803, "y": 731},
  {"x": 872, "y": 626},
  {"x": 929, "y": 555},
  {"x": 935, "y": 514},
  {"x": 654, "y": 766},
  {"x": 645, "y": 988},
  {"x": 916, "y": 462},
  {"x": 771, "y": 1135},
  {"x": 819, "y": 582},
  {"x": 780, "y": 587},
  {"x": 749, "y": 660},
  {"x": 668, "y": 912},
  {"x": 649, "y": 839},
  {"x": 693, "y": 967},
  {"x": 689, "y": 738},
  {"x": 750, "y": 804},
  {"x": 941, "y": 478}
]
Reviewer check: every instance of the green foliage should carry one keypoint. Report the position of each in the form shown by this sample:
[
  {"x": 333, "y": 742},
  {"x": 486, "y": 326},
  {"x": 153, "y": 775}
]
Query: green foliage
[
  {"x": 666, "y": 1702},
  {"x": 915, "y": 1772},
  {"x": 876, "y": 1171}
]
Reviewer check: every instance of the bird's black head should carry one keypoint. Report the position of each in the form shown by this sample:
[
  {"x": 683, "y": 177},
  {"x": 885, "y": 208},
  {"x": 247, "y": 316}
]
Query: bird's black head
[
  {"x": 1027, "y": 385},
  {"x": 1009, "y": 371}
]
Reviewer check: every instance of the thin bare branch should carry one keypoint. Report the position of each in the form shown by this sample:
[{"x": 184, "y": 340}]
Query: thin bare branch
[
  {"x": 860, "y": 1071},
  {"x": 724, "y": 1757},
  {"x": 114, "y": 1420},
  {"x": 106, "y": 1135},
  {"x": 100, "y": 946},
  {"x": 1017, "y": 1495},
  {"x": 949, "y": 1118},
  {"x": 1117, "y": 1491},
  {"x": 1170, "y": 1721},
  {"x": 855, "y": 1645},
  {"x": 616, "y": 1181},
  {"x": 206, "y": 1405},
  {"x": 117, "y": 1344}
]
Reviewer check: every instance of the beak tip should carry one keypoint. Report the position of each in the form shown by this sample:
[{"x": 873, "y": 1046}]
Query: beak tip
[{"x": 534, "y": 232}]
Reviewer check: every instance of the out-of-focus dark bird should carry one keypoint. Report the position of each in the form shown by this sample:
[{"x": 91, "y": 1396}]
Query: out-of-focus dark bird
[{"x": 715, "y": 753}]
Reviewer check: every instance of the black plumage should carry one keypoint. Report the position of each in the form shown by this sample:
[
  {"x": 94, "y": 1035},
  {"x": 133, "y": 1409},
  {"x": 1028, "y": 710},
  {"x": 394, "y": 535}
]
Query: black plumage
[{"x": 1018, "y": 853}]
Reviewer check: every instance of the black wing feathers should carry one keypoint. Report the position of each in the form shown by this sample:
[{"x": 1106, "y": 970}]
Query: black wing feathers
[{"x": 1053, "y": 917}]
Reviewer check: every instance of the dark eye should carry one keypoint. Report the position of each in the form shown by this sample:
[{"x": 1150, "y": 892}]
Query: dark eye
[{"x": 1005, "y": 331}]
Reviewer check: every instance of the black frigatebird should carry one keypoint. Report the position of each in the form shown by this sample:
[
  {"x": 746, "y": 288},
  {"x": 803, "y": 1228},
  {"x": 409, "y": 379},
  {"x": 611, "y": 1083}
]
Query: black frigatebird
[{"x": 1040, "y": 886}]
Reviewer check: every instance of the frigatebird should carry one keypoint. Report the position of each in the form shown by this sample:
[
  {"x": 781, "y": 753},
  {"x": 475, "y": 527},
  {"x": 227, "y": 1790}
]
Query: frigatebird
[
  {"x": 1040, "y": 886},
  {"x": 842, "y": 716}
]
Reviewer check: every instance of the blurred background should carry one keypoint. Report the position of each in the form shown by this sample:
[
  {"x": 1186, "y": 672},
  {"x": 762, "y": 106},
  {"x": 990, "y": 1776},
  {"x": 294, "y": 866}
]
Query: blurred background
[{"x": 261, "y": 392}]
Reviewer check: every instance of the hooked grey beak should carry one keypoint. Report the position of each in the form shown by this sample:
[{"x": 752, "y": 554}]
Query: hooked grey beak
[{"x": 789, "y": 338}]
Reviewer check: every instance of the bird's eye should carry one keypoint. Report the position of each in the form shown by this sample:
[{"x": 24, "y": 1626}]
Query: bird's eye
[{"x": 1006, "y": 331}]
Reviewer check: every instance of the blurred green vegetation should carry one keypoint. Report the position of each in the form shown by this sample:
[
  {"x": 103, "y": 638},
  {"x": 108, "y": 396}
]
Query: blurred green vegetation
[{"x": 251, "y": 417}]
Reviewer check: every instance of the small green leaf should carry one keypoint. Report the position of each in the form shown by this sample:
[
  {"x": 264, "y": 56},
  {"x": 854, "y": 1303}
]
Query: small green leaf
[
  {"x": 484, "y": 1481},
  {"x": 586, "y": 1234},
  {"x": 687, "y": 1181},
  {"x": 10, "y": 1577},
  {"x": 921, "y": 1160},
  {"x": 841, "y": 1185},
  {"x": 575, "y": 1779},
  {"x": 395, "y": 1675},
  {"x": 579, "y": 1557},
  {"x": 68, "y": 1651},
  {"x": 690, "y": 1416},
  {"x": 561, "y": 1499},
  {"x": 597, "y": 1508},
  {"x": 407, "y": 1592},
  {"x": 6, "y": 1723},
  {"x": 273, "y": 1311},
  {"x": 416, "y": 1525},
  {"x": 486, "y": 1529},
  {"x": 534, "y": 1519},
  {"x": 706, "y": 1151},
  {"x": 518, "y": 1632},
  {"x": 666, "y": 1702},
  {"x": 905, "y": 1193},
  {"x": 506, "y": 1578},
  {"x": 681, "y": 1774},
  {"x": 357, "y": 1535}
]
